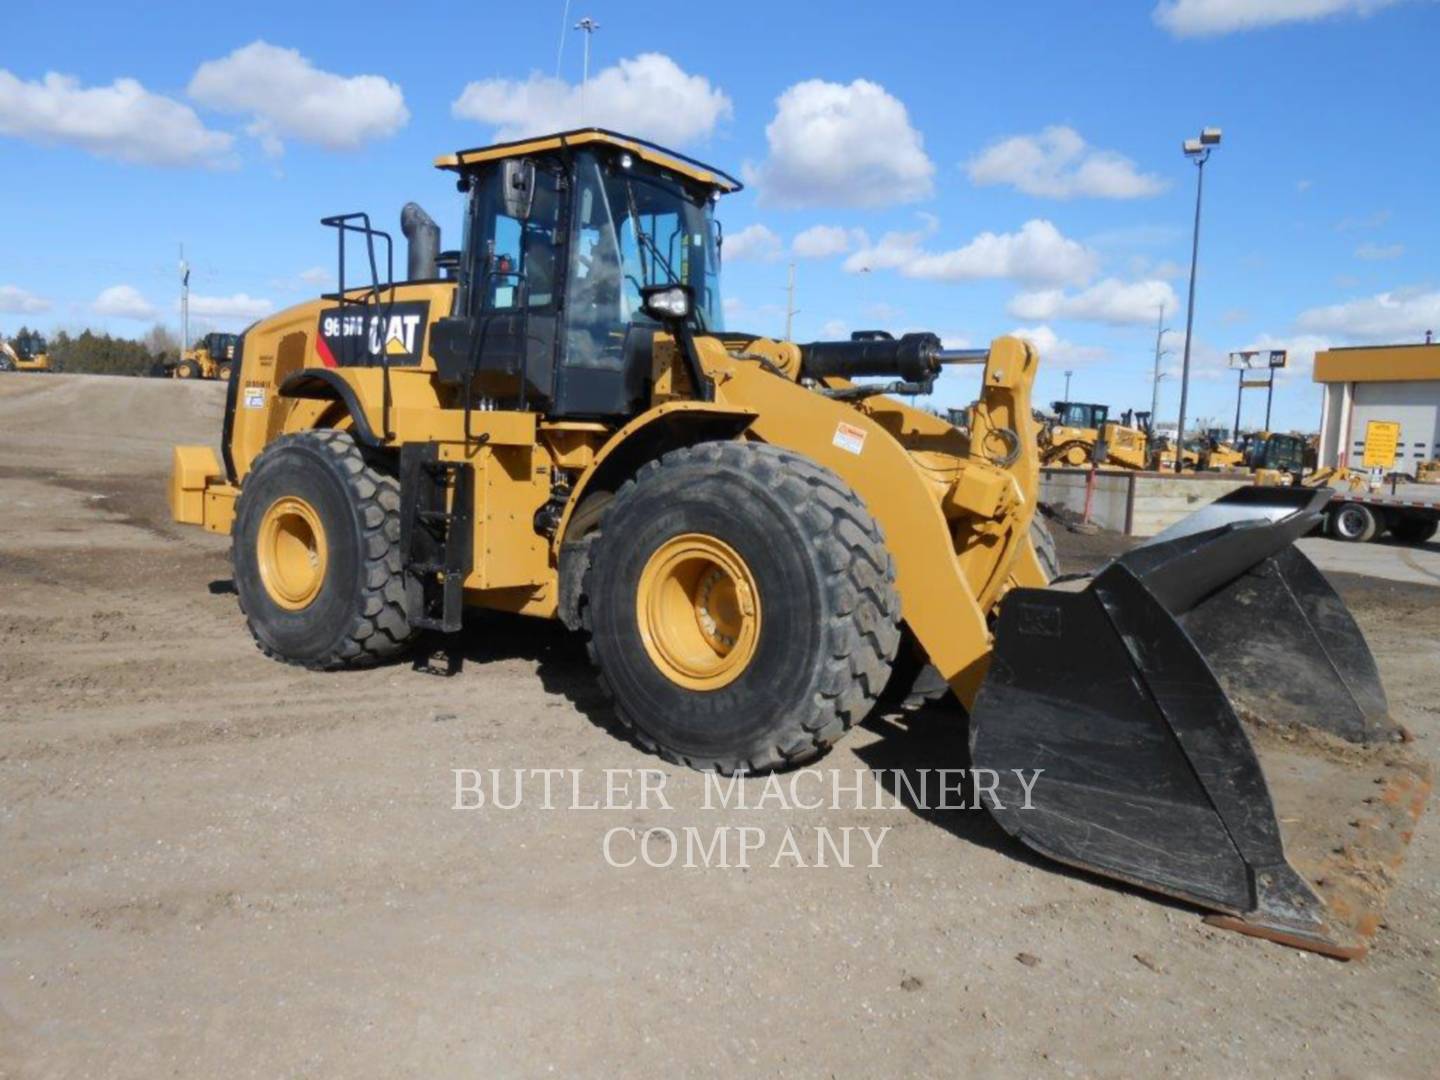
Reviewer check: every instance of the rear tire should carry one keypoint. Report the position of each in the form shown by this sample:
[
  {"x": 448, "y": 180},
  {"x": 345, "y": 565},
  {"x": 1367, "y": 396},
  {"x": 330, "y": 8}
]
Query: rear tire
[
  {"x": 818, "y": 613},
  {"x": 223, "y": 373},
  {"x": 1355, "y": 523},
  {"x": 340, "y": 600},
  {"x": 1413, "y": 530}
]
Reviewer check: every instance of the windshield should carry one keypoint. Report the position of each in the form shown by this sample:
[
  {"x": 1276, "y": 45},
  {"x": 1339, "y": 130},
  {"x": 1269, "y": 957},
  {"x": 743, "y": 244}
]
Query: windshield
[
  {"x": 632, "y": 228},
  {"x": 1075, "y": 414}
]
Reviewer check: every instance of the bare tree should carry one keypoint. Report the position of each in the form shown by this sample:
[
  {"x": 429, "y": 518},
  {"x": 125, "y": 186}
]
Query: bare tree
[{"x": 161, "y": 342}]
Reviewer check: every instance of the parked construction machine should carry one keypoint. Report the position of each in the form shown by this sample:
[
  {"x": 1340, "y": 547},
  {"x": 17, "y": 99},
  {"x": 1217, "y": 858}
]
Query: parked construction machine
[
  {"x": 212, "y": 357},
  {"x": 554, "y": 422},
  {"x": 1082, "y": 434},
  {"x": 28, "y": 351}
]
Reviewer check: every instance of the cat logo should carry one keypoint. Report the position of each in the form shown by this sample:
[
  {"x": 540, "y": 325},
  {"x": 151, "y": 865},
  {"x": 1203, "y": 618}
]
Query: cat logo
[
  {"x": 364, "y": 335},
  {"x": 399, "y": 334}
]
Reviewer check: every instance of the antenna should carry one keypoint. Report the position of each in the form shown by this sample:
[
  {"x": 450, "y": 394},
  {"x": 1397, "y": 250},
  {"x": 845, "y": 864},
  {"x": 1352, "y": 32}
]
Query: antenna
[
  {"x": 588, "y": 25},
  {"x": 560, "y": 52}
]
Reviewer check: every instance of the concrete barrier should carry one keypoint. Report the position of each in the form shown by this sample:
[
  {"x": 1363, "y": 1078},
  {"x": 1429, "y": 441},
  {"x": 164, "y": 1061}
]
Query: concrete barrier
[{"x": 1135, "y": 503}]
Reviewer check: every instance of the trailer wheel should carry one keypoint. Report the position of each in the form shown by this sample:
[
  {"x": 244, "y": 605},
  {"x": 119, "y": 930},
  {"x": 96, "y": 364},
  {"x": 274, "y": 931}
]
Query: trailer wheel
[
  {"x": 316, "y": 553},
  {"x": 1414, "y": 530},
  {"x": 1354, "y": 523},
  {"x": 741, "y": 607}
]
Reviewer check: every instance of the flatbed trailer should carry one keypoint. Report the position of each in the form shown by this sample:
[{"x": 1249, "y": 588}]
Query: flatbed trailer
[{"x": 1409, "y": 513}]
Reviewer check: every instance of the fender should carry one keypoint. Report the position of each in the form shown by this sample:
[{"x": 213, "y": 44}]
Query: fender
[
  {"x": 665, "y": 427},
  {"x": 327, "y": 385}
]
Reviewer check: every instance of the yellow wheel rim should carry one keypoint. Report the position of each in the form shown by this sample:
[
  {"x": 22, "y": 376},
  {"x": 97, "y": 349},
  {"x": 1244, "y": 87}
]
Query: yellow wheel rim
[
  {"x": 292, "y": 553},
  {"x": 1075, "y": 455},
  {"x": 182, "y": 372},
  {"x": 699, "y": 611}
]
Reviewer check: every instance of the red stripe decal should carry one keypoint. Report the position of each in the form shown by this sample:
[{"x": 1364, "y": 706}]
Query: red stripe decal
[{"x": 323, "y": 349}]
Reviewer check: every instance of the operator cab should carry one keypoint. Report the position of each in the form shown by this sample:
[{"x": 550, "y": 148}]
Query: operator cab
[
  {"x": 564, "y": 236},
  {"x": 221, "y": 346},
  {"x": 1283, "y": 453},
  {"x": 29, "y": 344},
  {"x": 1077, "y": 414}
]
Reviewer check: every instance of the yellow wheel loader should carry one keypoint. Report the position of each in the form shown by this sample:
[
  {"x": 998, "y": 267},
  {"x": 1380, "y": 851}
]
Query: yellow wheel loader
[
  {"x": 27, "y": 352},
  {"x": 212, "y": 357},
  {"x": 553, "y": 421},
  {"x": 1082, "y": 434}
]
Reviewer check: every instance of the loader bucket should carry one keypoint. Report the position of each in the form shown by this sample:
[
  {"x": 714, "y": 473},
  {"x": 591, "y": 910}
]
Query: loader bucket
[{"x": 1210, "y": 725}]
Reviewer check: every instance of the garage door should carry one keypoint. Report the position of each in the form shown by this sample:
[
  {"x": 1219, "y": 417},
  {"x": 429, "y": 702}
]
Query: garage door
[{"x": 1415, "y": 406}]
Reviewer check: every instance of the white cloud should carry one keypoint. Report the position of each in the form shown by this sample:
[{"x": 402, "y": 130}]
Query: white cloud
[
  {"x": 751, "y": 242},
  {"x": 1054, "y": 349},
  {"x": 826, "y": 241},
  {"x": 835, "y": 330},
  {"x": 648, "y": 95},
  {"x": 1110, "y": 301},
  {"x": 122, "y": 121},
  {"x": 834, "y": 145},
  {"x": 1391, "y": 316},
  {"x": 17, "y": 301},
  {"x": 317, "y": 275},
  {"x": 1304, "y": 185},
  {"x": 1379, "y": 252},
  {"x": 1206, "y": 18},
  {"x": 288, "y": 97},
  {"x": 239, "y": 307},
  {"x": 123, "y": 302},
  {"x": 1363, "y": 222},
  {"x": 1038, "y": 253},
  {"x": 1057, "y": 163}
]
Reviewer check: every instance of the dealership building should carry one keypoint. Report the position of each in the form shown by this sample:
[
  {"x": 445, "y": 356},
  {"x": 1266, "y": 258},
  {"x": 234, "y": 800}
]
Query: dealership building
[{"x": 1368, "y": 390}]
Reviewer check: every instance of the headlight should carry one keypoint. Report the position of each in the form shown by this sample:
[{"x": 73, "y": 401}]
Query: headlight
[{"x": 666, "y": 303}]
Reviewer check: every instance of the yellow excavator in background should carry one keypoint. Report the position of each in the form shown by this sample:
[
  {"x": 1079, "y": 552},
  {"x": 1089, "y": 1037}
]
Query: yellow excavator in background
[
  {"x": 28, "y": 351},
  {"x": 753, "y": 535}
]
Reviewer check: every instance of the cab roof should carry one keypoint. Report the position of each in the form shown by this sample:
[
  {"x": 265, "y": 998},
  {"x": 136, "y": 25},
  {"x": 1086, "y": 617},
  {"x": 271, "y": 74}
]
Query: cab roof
[{"x": 642, "y": 148}]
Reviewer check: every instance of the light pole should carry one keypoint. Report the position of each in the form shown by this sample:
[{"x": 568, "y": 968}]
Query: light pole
[
  {"x": 1198, "y": 151},
  {"x": 1160, "y": 331},
  {"x": 184, "y": 304},
  {"x": 589, "y": 26},
  {"x": 1067, "y": 386}
]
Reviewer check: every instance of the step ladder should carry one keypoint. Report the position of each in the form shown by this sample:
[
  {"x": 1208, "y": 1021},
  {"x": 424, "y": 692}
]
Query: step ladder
[{"x": 437, "y": 528}]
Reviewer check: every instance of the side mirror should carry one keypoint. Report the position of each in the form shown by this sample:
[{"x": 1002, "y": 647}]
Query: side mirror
[
  {"x": 517, "y": 188},
  {"x": 667, "y": 303}
]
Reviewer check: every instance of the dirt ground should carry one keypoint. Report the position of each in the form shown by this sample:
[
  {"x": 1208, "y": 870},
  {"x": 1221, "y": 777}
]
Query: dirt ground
[{"x": 213, "y": 865}]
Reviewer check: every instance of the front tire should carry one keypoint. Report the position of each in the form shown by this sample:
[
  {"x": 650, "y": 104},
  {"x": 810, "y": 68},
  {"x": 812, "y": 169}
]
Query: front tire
[
  {"x": 316, "y": 552},
  {"x": 187, "y": 369},
  {"x": 741, "y": 607}
]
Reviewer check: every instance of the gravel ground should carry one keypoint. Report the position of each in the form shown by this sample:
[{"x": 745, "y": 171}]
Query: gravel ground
[{"x": 218, "y": 865}]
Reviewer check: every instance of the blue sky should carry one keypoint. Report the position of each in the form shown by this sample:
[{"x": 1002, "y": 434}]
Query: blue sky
[{"x": 972, "y": 169}]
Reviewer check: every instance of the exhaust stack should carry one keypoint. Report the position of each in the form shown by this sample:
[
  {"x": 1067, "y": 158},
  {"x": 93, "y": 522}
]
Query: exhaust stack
[{"x": 423, "y": 236}]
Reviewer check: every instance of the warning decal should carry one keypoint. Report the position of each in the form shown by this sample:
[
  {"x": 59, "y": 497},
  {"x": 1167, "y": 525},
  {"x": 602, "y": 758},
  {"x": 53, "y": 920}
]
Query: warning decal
[{"x": 849, "y": 438}]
